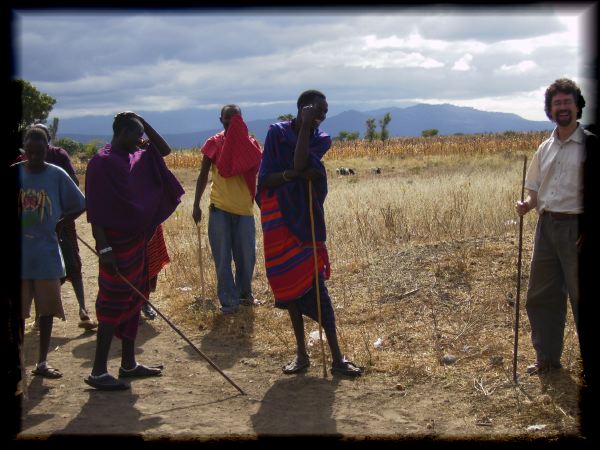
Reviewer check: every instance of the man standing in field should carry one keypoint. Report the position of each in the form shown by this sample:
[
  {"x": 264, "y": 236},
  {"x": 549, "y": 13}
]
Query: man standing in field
[
  {"x": 554, "y": 186},
  {"x": 67, "y": 234},
  {"x": 46, "y": 196},
  {"x": 232, "y": 156},
  {"x": 292, "y": 156}
]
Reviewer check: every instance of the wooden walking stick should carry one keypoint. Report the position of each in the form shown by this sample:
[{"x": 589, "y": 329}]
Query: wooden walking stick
[
  {"x": 517, "y": 307},
  {"x": 318, "y": 291},
  {"x": 200, "y": 258},
  {"x": 214, "y": 366}
]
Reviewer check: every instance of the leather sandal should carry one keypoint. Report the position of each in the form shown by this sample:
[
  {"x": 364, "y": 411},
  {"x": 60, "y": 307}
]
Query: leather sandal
[
  {"x": 140, "y": 371},
  {"x": 47, "y": 372},
  {"x": 296, "y": 366},
  {"x": 105, "y": 382},
  {"x": 347, "y": 368}
]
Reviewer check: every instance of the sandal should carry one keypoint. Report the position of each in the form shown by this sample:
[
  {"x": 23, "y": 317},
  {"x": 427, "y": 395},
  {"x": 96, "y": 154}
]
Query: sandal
[
  {"x": 347, "y": 368},
  {"x": 296, "y": 366},
  {"x": 140, "y": 371},
  {"x": 87, "y": 324},
  {"x": 47, "y": 372},
  {"x": 105, "y": 382},
  {"x": 148, "y": 311}
]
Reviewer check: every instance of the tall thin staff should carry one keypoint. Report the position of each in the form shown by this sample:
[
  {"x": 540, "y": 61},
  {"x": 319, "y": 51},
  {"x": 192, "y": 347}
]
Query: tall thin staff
[
  {"x": 206, "y": 358},
  {"x": 200, "y": 259},
  {"x": 318, "y": 291},
  {"x": 517, "y": 307}
]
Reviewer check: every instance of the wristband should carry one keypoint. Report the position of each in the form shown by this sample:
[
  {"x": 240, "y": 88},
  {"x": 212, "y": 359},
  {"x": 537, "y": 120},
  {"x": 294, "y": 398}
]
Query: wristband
[{"x": 105, "y": 250}]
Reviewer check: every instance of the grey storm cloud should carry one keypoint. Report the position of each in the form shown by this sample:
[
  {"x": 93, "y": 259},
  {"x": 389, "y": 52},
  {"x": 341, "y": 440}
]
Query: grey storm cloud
[{"x": 161, "y": 60}]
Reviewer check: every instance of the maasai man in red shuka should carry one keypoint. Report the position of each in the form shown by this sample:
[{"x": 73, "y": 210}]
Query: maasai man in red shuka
[
  {"x": 129, "y": 193},
  {"x": 292, "y": 156}
]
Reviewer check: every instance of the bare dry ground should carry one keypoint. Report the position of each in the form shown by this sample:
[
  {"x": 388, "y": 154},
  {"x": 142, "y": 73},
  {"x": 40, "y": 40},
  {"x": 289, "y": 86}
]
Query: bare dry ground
[{"x": 461, "y": 308}]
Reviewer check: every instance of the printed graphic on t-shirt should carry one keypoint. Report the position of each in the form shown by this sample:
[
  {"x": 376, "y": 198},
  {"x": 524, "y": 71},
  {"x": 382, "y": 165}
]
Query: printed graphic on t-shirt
[{"x": 34, "y": 206}]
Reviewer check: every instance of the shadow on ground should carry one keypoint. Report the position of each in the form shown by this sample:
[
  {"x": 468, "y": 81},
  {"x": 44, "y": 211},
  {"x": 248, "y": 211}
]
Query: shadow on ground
[{"x": 300, "y": 405}]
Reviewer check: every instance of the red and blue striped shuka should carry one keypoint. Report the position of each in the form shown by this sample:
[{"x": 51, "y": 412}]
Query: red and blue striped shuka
[
  {"x": 285, "y": 217},
  {"x": 289, "y": 262},
  {"x": 117, "y": 304}
]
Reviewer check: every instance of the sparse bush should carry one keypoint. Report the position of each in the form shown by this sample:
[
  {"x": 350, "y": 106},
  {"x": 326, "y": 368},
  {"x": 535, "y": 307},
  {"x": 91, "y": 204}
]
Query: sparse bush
[
  {"x": 429, "y": 132},
  {"x": 71, "y": 146}
]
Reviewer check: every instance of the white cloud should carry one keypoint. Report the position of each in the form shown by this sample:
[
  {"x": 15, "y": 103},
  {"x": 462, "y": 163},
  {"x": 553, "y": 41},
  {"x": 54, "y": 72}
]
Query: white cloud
[
  {"x": 529, "y": 105},
  {"x": 414, "y": 41},
  {"x": 395, "y": 59},
  {"x": 518, "y": 69},
  {"x": 464, "y": 63}
]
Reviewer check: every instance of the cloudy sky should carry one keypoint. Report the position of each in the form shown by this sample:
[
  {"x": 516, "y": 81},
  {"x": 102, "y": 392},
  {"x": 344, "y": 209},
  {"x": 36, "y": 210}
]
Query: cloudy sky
[{"x": 99, "y": 62}]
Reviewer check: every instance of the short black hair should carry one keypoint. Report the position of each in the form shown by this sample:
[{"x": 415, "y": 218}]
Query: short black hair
[
  {"x": 230, "y": 106},
  {"x": 35, "y": 134},
  {"x": 124, "y": 122},
  {"x": 41, "y": 126},
  {"x": 564, "y": 86},
  {"x": 307, "y": 97}
]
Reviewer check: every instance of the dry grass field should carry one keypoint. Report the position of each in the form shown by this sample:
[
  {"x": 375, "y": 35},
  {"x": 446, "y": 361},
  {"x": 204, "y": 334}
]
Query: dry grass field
[
  {"x": 424, "y": 263},
  {"x": 423, "y": 267}
]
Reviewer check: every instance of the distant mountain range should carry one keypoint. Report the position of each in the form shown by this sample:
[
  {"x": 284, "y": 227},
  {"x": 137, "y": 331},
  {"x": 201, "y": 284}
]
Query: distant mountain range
[{"x": 410, "y": 121}]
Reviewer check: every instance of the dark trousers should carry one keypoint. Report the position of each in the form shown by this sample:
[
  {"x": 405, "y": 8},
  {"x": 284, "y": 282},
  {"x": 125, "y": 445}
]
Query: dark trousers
[{"x": 553, "y": 278}]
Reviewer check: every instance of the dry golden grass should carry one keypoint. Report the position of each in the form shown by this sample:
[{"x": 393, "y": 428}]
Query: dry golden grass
[
  {"x": 438, "y": 220},
  {"x": 395, "y": 148}
]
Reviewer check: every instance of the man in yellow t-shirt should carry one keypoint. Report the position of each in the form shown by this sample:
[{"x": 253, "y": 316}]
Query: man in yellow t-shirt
[{"x": 232, "y": 157}]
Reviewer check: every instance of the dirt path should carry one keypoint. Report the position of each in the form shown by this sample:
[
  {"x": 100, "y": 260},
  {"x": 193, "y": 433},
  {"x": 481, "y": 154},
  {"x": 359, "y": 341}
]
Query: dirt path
[{"x": 193, "y": 401}]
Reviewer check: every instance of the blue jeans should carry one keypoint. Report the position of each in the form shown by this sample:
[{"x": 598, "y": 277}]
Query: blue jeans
[{"x": 232, "y": 237}]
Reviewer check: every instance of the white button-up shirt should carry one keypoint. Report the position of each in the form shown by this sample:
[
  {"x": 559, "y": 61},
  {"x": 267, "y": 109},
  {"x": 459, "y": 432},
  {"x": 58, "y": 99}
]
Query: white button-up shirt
[{"x": 556, "y": 173}]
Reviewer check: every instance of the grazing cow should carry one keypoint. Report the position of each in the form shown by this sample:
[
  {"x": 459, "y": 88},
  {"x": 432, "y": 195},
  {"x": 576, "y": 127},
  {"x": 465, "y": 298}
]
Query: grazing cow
[
  {"x": 376, "y": 170},
  {"x": 344, "y": 171}
]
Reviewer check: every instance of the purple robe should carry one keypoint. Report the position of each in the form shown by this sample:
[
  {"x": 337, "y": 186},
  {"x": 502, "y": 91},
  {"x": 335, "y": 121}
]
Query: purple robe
[{"x": 131, "y": 193}]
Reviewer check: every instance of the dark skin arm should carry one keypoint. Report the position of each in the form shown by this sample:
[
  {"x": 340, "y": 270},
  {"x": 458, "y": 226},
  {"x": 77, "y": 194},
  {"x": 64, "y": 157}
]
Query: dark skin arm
[
  {"x": 200, "y": 187},
  {"x": 67, "y": 218},
  {"x": 156, "y": 139},
  {"x": 107, "y": 260},
  {"x": 277, "y": 179},
  {"x": 306, "y": 117},
  {"x": 304, "y": 121}
]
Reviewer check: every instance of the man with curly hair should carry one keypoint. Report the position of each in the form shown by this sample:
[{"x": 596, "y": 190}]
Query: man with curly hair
[{"x": 554, "y": 184}]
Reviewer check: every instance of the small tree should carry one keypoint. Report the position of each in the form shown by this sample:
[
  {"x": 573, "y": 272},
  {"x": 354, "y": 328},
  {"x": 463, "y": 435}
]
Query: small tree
[
  {"x": 91, "y": 148},
  {"x": 70, "y": 145},
  {"x": 353, "y": 137},
  {"x": 342, "y": 136},
  {"x": 36, "y": 105},
  {"x": 371, "y": 134},
  {"x": 429, "y": 132},
  {"x": 384, "y": 122},
  {"x": 285, "y": 117}
]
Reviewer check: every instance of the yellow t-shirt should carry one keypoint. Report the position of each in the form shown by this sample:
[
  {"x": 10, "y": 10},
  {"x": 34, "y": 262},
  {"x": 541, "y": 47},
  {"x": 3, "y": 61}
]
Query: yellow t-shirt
[{"x": 231, "y": 194}]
